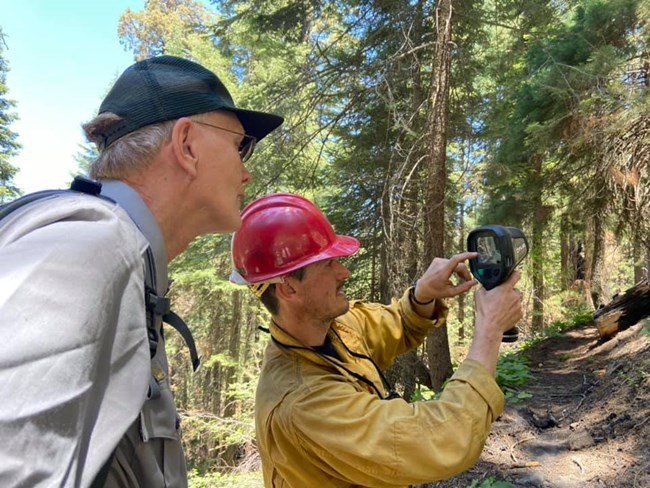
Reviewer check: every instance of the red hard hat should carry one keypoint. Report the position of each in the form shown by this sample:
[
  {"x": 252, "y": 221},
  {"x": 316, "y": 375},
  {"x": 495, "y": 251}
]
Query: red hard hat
[{"x": 281, "y": 233}]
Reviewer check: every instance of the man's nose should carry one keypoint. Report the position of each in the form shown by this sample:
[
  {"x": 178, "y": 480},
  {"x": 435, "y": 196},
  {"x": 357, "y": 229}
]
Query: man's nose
[
  {"x": 246, "y": 175},
  {"x": 342, "y": 271}
]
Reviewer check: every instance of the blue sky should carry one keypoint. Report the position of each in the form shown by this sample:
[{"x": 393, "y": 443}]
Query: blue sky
[{"x": 63, "y": 56}]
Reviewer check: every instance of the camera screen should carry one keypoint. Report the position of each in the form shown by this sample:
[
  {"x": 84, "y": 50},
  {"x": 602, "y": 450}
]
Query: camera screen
[{"x": 487, "y": 250}]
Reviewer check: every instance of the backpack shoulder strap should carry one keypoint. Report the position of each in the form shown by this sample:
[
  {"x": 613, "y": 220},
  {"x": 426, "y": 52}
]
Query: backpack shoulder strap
[
  {"x": 81, "y": 184},
  {"x": 20, "y": 202},
  {"x": 157, "y": 305}
]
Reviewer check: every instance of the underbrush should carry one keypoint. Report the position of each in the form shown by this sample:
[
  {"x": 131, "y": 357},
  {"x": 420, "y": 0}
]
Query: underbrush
[
  {"x": 229, "y": 480},
  {"x": 490, "y": 483},
  {"x": 513, "y": 372}
]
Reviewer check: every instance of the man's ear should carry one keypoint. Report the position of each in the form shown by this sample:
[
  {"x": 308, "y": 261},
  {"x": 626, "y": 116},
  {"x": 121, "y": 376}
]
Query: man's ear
[
  {"x": 184, "y": 146},
  {"x": 286, "y": 290}
]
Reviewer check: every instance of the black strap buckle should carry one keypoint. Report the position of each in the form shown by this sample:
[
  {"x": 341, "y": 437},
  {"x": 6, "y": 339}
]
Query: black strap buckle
[
  {"x": 156, "y": 304},
  {"x": 86, "y": 185}
]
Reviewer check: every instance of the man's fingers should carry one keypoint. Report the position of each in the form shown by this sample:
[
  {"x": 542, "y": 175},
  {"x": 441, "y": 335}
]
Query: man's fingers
[
  {"x": 462, "y": 287},
  {"x": 514, "y": 278},
  {"x": 463, "y": 272},
  {"x": 457, "y": 259}
]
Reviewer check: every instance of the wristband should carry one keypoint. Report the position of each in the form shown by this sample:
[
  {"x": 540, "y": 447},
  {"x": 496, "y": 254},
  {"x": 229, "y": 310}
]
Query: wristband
[{"x": 415, "y": 300}]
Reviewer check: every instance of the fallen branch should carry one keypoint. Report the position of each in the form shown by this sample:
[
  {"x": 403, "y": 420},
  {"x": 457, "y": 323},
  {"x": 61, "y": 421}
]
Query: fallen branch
[
  {"x": 512, "y": 454},
  {"x": 582, "y": 470},
  {"x": 529, "y": 464},
  {"x": 643, "y": 423}
]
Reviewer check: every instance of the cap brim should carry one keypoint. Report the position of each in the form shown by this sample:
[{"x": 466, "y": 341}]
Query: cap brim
[{"x": 258, "y": 124}]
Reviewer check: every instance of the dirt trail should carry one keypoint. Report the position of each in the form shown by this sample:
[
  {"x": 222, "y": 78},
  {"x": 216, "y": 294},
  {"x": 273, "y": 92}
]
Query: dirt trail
[{"x": 587, "y": 423}]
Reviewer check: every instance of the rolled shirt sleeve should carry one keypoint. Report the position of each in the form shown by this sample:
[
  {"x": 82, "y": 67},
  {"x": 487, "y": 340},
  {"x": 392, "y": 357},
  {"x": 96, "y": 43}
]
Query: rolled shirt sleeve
[{"x": 390, "y": 330}]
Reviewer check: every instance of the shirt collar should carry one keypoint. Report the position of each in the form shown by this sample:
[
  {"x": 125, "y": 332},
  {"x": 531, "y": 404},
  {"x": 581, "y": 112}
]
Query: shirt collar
[{"x": 129, "y": 199}]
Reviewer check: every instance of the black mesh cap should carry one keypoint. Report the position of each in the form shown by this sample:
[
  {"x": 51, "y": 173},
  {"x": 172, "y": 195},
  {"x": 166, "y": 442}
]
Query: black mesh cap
[{"x": 166, "y": 88}]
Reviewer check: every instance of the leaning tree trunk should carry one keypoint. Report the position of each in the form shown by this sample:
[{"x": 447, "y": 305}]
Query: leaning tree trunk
[
  {"x": 625, "y": 310},
  {"x": 437, "y": 341},
  {"x": 404, "y": 371}
]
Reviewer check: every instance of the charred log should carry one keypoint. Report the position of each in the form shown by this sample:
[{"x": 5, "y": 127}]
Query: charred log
[{"x": 625, "y": 310}]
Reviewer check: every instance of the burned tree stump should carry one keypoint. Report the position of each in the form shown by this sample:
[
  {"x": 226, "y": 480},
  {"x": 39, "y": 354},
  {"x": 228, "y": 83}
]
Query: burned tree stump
[{"x": 625, "y": 310}]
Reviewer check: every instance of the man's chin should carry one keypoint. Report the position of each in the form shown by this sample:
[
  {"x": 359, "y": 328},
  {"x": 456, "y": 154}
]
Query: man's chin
[
  {"x": 226, "y": 226},
  {"x": 342, "y": 310}
]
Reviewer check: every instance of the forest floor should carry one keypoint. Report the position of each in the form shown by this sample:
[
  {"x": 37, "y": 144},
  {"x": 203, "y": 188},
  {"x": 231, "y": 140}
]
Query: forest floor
[{"x": 587, "y": 423}]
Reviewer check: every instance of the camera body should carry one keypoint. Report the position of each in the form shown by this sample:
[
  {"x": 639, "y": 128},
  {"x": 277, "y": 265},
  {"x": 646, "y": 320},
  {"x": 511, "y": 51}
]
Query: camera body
[{"x": 500, "y": 250}]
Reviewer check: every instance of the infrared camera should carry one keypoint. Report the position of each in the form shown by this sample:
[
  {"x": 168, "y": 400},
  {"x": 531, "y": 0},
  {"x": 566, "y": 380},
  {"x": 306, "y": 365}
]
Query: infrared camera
[{"x": 500, "y": 250}]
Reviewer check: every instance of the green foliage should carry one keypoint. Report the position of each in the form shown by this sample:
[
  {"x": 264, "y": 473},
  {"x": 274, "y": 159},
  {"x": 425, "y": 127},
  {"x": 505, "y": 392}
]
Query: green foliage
[
  {"x": 574, "y": 318},
  {"x": 513, "y": 373},
  {"x": 175, "y": 27},
  {"x": 85, "y": 157},
  {"x": 422, "y": 393},
  {"x": 214, "y": 431},
  {"x": 221, "y": 359},
  {"x": 638, "y": 375},
  {"x": 9, "y": 145},
  {"x": 216, "y": 479},
  {"x": 490, "y": 483}
]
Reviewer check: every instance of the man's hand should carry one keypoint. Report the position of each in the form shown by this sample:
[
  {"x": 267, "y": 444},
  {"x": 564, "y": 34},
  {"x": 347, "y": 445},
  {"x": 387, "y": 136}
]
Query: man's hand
[
  {"x": 498, "y": 309},
  {"x": 436, "y": 282}
]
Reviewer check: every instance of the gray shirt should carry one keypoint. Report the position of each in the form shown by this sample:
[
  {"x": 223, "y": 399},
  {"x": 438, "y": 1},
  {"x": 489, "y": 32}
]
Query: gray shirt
[{"x": 74, "y": 360}]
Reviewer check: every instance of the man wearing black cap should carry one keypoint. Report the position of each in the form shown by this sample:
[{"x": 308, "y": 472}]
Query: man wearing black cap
[{"x": 84, "y": 404}]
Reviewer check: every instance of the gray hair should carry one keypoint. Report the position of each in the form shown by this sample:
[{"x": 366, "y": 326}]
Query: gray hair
[{"x": 130, "y": 153}]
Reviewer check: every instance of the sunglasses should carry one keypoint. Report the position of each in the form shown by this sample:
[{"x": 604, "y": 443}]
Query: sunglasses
[{"x": 246, "y": 146}]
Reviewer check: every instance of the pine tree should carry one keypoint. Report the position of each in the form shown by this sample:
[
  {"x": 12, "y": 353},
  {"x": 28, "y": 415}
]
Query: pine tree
[{"x": 9, "y": 145}]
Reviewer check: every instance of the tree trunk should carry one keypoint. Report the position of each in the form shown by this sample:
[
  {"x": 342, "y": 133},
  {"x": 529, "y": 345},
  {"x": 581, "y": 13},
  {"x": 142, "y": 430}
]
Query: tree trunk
[
  {"x": 538, "y": 278},
  {"x": 439, "y": 356},
  {"x": 384, "y": 266},
  {"x": 566, "y": 270},
  {"x": 639, "y": 259},
  {"x": 212, "y": 385},
  {"x": 404, "y": 372},
  {"x": 537, "y": 251},
  {"x": 233, "y": 350},
  {"x": 598, "y": 294},
  {"x": 461, "y": 245}
]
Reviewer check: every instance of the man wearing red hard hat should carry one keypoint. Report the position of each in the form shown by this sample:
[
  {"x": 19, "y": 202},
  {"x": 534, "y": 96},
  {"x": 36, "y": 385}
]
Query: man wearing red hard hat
[{"x": 325, "y": 414}]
